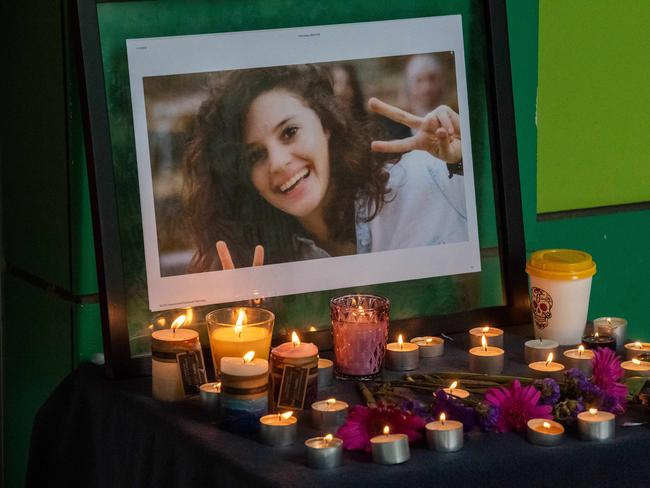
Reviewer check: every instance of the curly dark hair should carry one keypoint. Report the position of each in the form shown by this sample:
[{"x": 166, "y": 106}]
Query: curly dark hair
[{"x": 221, "y": 201}]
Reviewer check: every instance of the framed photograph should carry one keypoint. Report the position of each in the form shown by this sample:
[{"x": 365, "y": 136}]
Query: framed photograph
[{"x": 282, "y": 162}]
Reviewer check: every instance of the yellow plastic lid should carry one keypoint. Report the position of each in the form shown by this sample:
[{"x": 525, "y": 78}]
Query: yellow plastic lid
[{"x": 561, "y": 264}]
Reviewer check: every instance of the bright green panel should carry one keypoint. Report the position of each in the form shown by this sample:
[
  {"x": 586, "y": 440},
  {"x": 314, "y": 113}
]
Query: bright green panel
[
  {"x": 619, "y": 245},
  {"x": 87, "y": 324},
  {"x": 37, "y": 356},
  {"x": 120, "y": 21},
  {"x": 594, "y": 67}
]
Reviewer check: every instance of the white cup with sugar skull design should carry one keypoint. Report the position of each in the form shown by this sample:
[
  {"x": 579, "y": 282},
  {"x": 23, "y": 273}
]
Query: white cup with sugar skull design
[{"x": 560, "y": 284}]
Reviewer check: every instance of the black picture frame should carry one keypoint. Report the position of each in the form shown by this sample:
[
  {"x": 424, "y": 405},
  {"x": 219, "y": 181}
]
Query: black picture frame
[{"x": 111, "y": 287}]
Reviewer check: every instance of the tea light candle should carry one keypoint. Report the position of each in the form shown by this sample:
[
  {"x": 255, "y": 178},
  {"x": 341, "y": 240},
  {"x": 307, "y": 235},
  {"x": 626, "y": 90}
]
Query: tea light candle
[
  {"x": 544, "y": 432},
  {"x": 599, "y": 340},
  {"x": 279, "y": 429},
  {"x": 210, "y": 397},
  {"x": 636, "y": 368},
  {"x": 486, "y": 359},
  {"x": 390, "y": 448},
  {"x": 596, "y": 426},
  {"x": 444, "y": 435},
  {"x": 635, "y": 349},
  {"x": 615, "y": 327},
  {"x": 493, "y": 335},
  {"x": 328, "y": 415},
  {"x": 401, "y": 356},
  {"x": 456, "y": 392},
  {"x": 580, "y": 358},
  {"x": 430, "y": 347},
  {"x": 325, "y": 373},
  {"x": 546, "y": 369},
  {"x": 324, "y": 452},
  {"x": 539, "y": 349}
]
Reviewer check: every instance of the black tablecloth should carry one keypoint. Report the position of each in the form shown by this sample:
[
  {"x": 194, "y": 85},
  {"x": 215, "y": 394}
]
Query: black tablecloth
[{"x": 93, "y": 431}]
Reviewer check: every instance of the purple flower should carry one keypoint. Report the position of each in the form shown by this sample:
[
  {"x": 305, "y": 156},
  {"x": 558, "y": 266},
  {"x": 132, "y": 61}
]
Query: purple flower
[
  {"x": 516, "y": 406},
  {"x": 607, "y": 373},
  {"x": 549, "y": 390},
  {"x": 453, "y": 409},
  {"x": 488, "y": 416},
  {"x": 363, "y": 423}
]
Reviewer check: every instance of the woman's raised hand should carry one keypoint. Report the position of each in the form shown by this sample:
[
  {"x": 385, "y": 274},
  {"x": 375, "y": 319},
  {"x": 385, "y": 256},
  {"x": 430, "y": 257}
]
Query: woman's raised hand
[
  {"x": 226, "y": 259},
  {"x": 438, "y": 132}
]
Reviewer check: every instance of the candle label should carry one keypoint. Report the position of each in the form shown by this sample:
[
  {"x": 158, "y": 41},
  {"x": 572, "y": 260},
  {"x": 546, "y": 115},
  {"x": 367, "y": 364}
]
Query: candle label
[
  {"x": 542, "y": 305},
  {"x": 293, "y": 387},
  {"x": 192, "y": 371}
]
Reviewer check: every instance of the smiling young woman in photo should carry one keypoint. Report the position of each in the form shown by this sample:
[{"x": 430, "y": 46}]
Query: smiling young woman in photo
[{"x": 278, "y": 170}]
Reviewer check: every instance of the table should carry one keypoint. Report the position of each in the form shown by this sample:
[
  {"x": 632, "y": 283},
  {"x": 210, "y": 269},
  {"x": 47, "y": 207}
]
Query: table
[{"x": 94, "y": 431}]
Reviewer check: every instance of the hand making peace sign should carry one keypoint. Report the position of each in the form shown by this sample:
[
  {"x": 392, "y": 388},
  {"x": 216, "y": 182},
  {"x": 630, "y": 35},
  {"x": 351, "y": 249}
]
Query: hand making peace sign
[
  {"x": 438, "y": 132},
  {"x": 226, "y": 259}
]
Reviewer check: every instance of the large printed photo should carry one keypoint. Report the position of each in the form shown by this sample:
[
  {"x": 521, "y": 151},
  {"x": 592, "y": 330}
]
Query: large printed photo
[{"x": 295, "y": 160}]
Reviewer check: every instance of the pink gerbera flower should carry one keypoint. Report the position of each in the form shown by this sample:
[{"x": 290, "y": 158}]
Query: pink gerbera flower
[
  {"x": 515, "y": 406},
  {"x": 606, "y": 376},
  {"x": 363, "y": 423}
]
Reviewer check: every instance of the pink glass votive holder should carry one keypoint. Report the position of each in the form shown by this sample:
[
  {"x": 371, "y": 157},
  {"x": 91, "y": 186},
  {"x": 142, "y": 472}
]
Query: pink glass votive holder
[{"x": 360, "y": 331}]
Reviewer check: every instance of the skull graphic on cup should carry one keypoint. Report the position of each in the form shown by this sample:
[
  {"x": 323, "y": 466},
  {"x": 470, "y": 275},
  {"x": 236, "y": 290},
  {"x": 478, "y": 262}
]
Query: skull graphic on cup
[{"x": 542, "y": 305}]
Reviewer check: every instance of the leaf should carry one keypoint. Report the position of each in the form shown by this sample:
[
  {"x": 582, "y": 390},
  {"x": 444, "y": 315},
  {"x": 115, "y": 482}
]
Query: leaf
[{"x": 634, "y": 385}]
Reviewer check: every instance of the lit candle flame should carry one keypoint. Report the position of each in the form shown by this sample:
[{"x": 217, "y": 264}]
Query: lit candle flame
[
  {"x": 596, "y": 335},
  {"x": 486, "y": 330},
  {"x": 217, "y": 386},
  {"x": 593, "y": 411},
  {"x": 581, "y": 349},
  {"x": 546, "y": 425},
  {"x": 400, "y": 341},
  {"x": 312, "y": 328},
  {"x": 636, "y": 361},
  {"x": 428, "y": 340},
  {"x": 178, "y": 322},
  {"x": 637, "y": 345},
  {"x": 484, "y": 342},
  {"x": 241, "y": 317},
  {"x": 330, "y": 402},
  {"x": 386, "y": 430},
  {"x": 295, "y": 340},
  {"x": 443, "y": 417},
  {"x": 549, "y": 359},
  {"x": 238, "y": 330},
  {"x": 452, "y": 386},
  {"x": 286, "y": 415},
  {"x": 328, "y": 438},
  {"x": 150, "y": 326},
  {"x": 248, "y": 357}
]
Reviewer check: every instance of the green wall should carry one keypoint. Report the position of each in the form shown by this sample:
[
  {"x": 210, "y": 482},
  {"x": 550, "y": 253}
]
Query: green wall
[{"x": 45, "y": 335}]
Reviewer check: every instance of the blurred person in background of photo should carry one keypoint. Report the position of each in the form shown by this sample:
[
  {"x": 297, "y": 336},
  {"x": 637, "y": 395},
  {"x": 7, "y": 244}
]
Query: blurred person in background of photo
[
  {"x": 277, "y": 171},
  {"x": 346, "y": 86}
]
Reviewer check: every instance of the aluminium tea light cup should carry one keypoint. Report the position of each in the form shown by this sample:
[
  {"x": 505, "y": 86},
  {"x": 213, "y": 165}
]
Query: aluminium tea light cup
[
  {"x": 539, "y": 349},
  {"x": 612, "y": 326},
  {"x": 454, "y": 391},
  {"x": 579, "y": 358},
  {"x": 324, "y": 452},
  {"x": 278, "y": 429},
  {"x": 635, "y": 349},
  {"x": 636, "y": 367},
  {"x": 595, "y": 425},
  {"x": 493, "y": 335},
  {"x": 546, "y": 369},
  {"x": 325, "y": 373},
  {"x": 544, "y": 432},
  {"x": 211, "y": 397},
  {"x": 402, "y": 356},
  {"x": 390, "y": 448},
  {"x": 486, "y": 359},
  {"x": 328, "y": 415},
  {"x": 444, "y": 435},
  {"x": 430, "y": 346}
]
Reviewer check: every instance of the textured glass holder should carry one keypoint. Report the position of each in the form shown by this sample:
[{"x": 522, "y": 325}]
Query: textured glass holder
[{"x": 360, "y": 331}]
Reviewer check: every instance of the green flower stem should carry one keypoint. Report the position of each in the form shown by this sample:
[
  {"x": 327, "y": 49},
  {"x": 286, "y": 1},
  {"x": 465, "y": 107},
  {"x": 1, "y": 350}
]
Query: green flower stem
[{"x": 367, "y": 394}]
